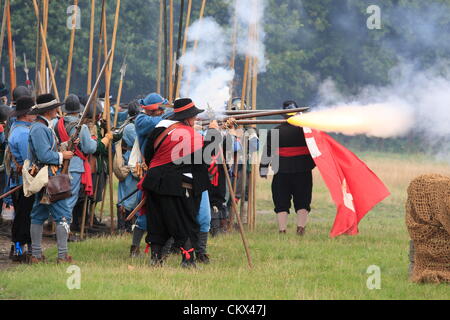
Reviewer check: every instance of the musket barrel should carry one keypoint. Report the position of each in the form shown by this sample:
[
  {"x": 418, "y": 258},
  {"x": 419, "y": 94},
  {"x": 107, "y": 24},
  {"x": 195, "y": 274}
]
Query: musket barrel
[
  {"x": 242, "y": 112},
  {"x": 257, "y": 115}
]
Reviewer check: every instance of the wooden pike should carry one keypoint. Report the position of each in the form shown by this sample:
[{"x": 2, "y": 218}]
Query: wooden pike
[
  {"x": 233, "y": 54},
  {"x": 2, "y": 32},
  {"x": 44, "y": 25},
  {"x": 180, "y": 36},
  {"x": 160, "y": 40},
  {"x": 37, "y": 81},
  {"x": 91, "y": 48},
  {"x": 254, "y": 104},
  {"x": 46, "y": 53},
  {"x": 170, "y": 49},
  {"x": 108, "y": 114},
  {"x": 183, "y": 50},
  {"x": 123, "y": 71},
  {"x": 234, "y": 208},
  {"x": 100, "y": 45},
  {"x": 12, "y": 72},
  {"x": 72, "y": 42},
  {"x": 166, "y": 51}
]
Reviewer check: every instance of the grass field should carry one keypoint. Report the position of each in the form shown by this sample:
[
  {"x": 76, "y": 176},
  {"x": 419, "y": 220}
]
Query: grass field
[{"x": 285, "y": 266}]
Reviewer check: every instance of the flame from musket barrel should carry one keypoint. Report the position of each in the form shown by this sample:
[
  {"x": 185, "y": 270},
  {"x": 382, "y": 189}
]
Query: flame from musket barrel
[{"x": 382, "y": 120}]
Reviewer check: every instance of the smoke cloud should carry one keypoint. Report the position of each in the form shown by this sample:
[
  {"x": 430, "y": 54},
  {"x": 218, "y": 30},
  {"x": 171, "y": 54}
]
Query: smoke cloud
[
  {"x": 206, "y": 77},
  {"x": 250, "y": 16},
  {"x": 415, "y": 100}
]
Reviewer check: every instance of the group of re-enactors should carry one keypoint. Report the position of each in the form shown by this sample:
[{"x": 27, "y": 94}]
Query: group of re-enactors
[{"x": 185, "y": 200}]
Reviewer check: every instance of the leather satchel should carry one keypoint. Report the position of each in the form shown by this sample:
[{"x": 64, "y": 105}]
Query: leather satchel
[{"x": 59, "y": 188}]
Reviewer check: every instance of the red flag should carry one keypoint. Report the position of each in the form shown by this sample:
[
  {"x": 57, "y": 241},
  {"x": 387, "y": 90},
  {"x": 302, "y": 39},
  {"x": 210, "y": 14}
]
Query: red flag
[{"x": 355, "y": 189}]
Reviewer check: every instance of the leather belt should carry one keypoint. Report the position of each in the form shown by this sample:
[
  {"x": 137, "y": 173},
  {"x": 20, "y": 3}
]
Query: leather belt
[{"x": 186, "y": 185}]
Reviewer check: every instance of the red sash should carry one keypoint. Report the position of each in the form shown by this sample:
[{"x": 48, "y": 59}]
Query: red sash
[
  {"x": 289, "y": 152},
  {"x": 181, "y": 142},
  {"x": 86, "y": 177}
]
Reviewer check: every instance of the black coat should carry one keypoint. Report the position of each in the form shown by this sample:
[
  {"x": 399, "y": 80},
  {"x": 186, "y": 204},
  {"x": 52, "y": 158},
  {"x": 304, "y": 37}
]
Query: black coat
[{"x": 167, "y": 179}]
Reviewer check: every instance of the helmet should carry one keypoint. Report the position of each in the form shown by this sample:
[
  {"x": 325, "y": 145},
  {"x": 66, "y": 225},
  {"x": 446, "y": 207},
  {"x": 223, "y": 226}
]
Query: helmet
[
  {"x": 134, "y": 108},
  {"x": 20, "y": 92},
  {"x": 236, "y": 104},
  {"x": 98, "y": 110},
  {"x": 4, "y": 113}
]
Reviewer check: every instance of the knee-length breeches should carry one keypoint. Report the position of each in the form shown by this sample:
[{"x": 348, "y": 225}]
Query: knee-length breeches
[{"x": 292, "y": 186}]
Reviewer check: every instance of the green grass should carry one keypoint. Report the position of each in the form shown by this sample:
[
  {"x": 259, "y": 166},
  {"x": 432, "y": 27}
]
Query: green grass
[{"x": 285, "y": 266}]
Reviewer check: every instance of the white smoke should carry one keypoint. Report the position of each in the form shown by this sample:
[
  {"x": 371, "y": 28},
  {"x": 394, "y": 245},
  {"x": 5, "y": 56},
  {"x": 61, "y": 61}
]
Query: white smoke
[
  {"x": 250, "y": 16},
  {"x": 206, "y": 78},
  {"x": 415, "y": 100}
]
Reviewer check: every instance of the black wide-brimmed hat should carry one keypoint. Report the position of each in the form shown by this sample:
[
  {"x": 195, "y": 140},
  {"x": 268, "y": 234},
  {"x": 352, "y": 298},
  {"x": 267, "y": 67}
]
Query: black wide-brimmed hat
[
  {"x": 3, "y": 90},
  {"x": 44, "y": 103},
  {"x": 23, "y": 106},
  {"x": 72, "y": 105},
  {"x": 185, "y": 109}
]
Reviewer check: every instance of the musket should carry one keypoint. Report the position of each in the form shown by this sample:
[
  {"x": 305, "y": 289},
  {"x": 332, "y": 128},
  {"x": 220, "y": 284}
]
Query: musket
[
  {"x": 240, "y": 112},
  {"x": 120, "y": 129},
  {"x": 10, "y": 192},
  {"x": 128, "y": 197},
  {"x": 136, "y": 210},
  {"x": 86, "y": 110},
  {"x": 257, "y": 115}
]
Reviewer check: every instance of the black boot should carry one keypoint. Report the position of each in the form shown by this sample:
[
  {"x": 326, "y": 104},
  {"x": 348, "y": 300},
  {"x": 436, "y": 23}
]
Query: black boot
[
  {"x": 188, "y": 258},
  {"x": 156, "y": 259},
  {"x": 134, "y": 251},
  {"x": 201, "y": 248}
]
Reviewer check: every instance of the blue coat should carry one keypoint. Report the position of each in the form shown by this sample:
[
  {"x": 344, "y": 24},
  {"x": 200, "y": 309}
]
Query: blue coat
[
  {"x": 145, "y": 124},
  {"x": 43, "y": 144},
  {"x": 18, "y": 145},
  {"x": 87, "y": 145},
  {"x": 130, "y": 183}
]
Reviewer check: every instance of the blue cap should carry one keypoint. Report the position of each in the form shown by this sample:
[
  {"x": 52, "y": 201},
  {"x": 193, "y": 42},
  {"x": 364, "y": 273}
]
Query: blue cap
[{"x": 153, "y": 98}]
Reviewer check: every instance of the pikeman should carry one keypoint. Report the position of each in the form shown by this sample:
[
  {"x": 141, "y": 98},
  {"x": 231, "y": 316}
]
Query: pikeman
[
  {"x": 79, "y": 169},
  {"x": 99, "y": 160},
  {"x": 294, "y": 177},
  {"x": 45, "y": 153},
  {"x": 175, "y": 182},
  {"x": 128, "y": 179},
  {"x": 18, "y": 153}
]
